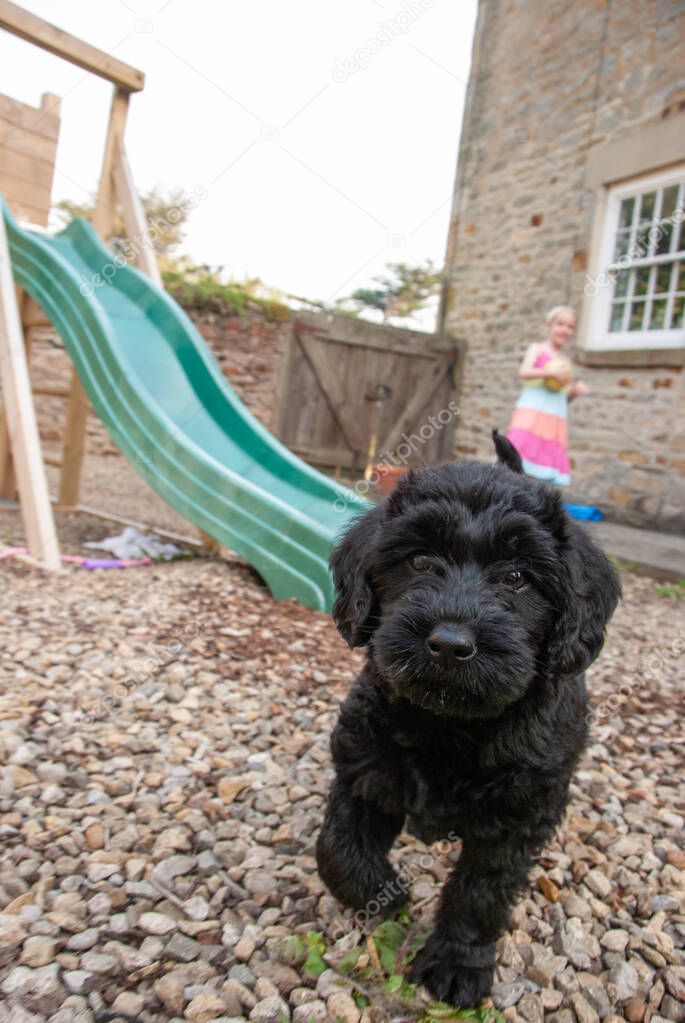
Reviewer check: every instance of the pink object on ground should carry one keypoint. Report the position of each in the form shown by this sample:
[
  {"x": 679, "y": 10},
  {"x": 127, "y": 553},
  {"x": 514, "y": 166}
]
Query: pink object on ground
[
  {"x": 12, "y": 552},
  {"x": 78, "y": 559},
  {"x": 114, "y": 563}
]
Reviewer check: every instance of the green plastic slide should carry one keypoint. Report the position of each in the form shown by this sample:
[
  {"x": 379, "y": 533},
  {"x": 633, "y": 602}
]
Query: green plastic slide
[{"x": 170, "y": 410}]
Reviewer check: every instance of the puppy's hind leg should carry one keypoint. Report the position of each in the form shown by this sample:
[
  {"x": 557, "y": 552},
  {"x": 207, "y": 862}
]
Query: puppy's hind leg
[{"x": 352, "y": 853}]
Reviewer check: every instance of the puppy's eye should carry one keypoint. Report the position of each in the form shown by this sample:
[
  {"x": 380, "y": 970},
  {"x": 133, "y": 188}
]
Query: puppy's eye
[
  {"x": 515, "y": 580},
  {"x": 422, "y": 563}
]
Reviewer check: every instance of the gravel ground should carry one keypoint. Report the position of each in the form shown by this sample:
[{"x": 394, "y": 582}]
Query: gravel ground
[{"x": 163, "y": 765}]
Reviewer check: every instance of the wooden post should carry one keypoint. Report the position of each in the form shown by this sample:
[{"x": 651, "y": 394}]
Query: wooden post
[
  {"x": 134, "y": 216},
  {"x": 74, "y": 445},
  {"x": 8, "y": 482},
  {"x": 105, "y": 204},
  {"x": 20, "y": 415}
]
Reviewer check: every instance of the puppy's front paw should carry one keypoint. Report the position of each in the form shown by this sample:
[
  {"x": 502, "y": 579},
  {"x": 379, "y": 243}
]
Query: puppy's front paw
[{"x": 455, "y": 973}]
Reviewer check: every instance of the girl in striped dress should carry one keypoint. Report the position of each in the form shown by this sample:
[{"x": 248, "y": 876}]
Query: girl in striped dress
[{"x": 538, "y": 428}]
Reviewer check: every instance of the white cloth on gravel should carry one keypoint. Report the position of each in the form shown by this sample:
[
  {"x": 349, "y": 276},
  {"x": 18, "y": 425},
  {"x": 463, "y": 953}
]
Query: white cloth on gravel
[{"x": 132, "y": 544}]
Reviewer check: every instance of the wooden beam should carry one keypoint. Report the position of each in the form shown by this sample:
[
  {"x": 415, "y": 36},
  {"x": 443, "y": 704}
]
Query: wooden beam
[
  {"x": 209, "y": 544},
  {"x": 52, "y": 392},
  {"x": 141, "y": 526},
  {"x": 74, "y": 445},
  {"x": 134, "y": 215},
  {"x": 283, "y": 370},
  {"x": 42, "y": 33},
  {"x": 8, "y": 481},
  {"x": 103, "y": 214},
  {"x": 36, "y": 509}
]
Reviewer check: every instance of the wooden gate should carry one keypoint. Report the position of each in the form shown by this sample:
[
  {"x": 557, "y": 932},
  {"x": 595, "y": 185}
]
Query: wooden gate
[{"x": 350, "y": 392}]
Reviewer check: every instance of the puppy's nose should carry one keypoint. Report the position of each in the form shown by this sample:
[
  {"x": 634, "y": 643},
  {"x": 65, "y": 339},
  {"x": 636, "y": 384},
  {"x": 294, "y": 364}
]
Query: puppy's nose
[{"x": 449, "y": 643}]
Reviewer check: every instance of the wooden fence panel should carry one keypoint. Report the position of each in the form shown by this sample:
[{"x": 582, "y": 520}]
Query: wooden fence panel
[{"x": 350, "y": 389}]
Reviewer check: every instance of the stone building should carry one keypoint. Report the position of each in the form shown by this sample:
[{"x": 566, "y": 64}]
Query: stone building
[{"x": 570, "y": 188}]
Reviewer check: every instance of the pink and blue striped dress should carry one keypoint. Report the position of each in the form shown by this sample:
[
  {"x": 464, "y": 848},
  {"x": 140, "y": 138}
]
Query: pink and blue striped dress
[{"x": 538, "y": 429}]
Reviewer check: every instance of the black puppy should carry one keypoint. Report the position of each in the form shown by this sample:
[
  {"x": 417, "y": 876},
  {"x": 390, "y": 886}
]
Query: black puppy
[{"x": 481, "y": 604}]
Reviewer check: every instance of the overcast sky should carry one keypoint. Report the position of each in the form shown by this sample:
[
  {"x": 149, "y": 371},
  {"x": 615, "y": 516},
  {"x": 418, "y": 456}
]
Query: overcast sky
[{"x": 325, "y": 133}]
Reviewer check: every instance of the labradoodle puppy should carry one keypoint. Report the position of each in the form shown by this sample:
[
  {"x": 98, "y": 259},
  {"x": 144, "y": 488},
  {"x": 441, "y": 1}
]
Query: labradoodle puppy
[{"x": 481, "y": 605}]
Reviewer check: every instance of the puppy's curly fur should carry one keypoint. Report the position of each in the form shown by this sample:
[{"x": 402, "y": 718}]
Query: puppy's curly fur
[{"x": 480, "y": 604}]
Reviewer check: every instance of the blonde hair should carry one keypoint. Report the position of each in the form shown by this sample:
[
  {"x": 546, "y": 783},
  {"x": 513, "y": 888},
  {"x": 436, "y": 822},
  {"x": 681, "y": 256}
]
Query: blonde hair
[{"x": 557, "y": 311}]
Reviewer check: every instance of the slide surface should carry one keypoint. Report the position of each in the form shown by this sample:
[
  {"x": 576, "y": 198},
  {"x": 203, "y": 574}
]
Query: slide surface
[{"x": 172, "y": 413}]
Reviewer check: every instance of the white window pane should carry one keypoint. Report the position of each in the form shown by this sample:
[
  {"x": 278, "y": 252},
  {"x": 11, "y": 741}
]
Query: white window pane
[
  {"x": 677, "y": 316},
  {"x": 669, "y": 200},
  {"x": 637, "y": 314},
  {"x": 663, "y": 277},
  {"x": 621, "y": 287},
  {"x": 657, "y": 320},
  {"x": 625, "y": 218},
  {"x": 622, "y": 244},
  {"x": 617, "y": 316},
  {"x": 641, "y": 285},
  {"x": 647, "y": 203},
  {"x": 663, "y": 244},
  {"x": 642, "y": 240}
]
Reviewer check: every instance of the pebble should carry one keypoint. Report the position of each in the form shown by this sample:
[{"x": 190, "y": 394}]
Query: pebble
[
  {"x": 270, "y": 1010},
  {"x": 170, "y": 991},
  {"x": 312, "y": 1012},
  {"x": 625, "y": 979},
  {"x": 614, "y": 940},
  {"x": 157, "y": 923},
  {"x": 342, "y": 1006},
  {"x": 204, "y": 1007},
  {"x": 577, "y": 944},
  {"x": 129, "y": 1003},
  {"x": 583, "y": 1010},
  {"x": 38, "y": 990},
  {"x": 246, "y": 945},
  {"x": 37, "y": 951}
]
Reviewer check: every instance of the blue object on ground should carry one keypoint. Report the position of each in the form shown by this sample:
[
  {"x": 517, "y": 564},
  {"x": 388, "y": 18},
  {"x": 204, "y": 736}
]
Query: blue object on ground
[{"x": 585, "y": 512}]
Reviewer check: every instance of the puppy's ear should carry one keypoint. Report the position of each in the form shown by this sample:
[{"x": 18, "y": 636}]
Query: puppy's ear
[
  {"x": 355, "y": 610},
  {"x": 506, "y": 452},
  {"x": 588, "y": 595}
]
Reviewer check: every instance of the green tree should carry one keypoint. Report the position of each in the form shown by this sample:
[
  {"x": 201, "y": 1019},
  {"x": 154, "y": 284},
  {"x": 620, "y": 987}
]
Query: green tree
[
  {"x": 401, "y": 294},
  {"x": 166, "y": 214}
]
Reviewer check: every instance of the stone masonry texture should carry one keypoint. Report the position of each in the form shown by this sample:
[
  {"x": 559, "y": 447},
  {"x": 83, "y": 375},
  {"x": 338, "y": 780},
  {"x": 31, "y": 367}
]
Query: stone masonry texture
[{"x": 549, "y": 81}]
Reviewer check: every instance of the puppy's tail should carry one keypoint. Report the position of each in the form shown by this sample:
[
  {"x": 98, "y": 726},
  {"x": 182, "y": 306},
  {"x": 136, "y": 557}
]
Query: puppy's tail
[{"x": 506, "y": 452}]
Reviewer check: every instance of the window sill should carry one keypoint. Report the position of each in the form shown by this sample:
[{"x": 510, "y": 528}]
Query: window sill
[{"x": 644, "y": 357}]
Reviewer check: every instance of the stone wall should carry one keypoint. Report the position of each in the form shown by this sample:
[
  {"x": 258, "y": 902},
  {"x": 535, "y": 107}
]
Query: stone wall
[
  {"x": 246, "y": 348},
  {"x": 549, "y": 81}
]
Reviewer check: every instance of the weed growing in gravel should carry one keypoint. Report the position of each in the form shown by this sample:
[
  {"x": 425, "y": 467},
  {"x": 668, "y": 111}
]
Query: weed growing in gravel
[
  {"x": 375, "y": 970},
  {"x": 676, "y": 590}
]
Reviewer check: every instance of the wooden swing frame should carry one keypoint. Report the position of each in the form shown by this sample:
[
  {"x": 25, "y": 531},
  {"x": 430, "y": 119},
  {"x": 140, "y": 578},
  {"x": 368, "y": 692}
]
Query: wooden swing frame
[{"x": 22, "y": 467}]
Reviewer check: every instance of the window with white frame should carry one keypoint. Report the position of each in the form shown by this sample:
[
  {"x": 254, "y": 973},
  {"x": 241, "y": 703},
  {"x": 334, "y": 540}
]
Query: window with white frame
[{"x": 638, "y": 296}]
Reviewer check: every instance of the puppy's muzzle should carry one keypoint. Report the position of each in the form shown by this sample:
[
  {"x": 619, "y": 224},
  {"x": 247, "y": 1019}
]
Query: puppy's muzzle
[{"x": 450, "y": 644}]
